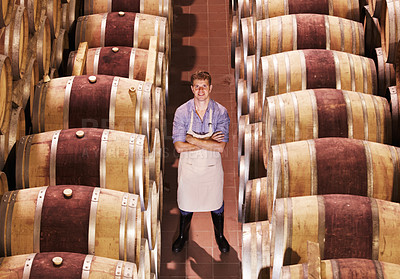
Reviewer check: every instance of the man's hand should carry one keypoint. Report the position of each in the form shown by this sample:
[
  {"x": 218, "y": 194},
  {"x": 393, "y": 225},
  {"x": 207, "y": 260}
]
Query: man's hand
[{"x": 218, "y": 136}]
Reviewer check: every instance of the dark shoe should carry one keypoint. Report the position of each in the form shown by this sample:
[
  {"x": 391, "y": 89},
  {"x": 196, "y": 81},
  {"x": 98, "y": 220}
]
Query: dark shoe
[
  {"x": 218, "y": 220},
  {"x": 184, "y": 225}
]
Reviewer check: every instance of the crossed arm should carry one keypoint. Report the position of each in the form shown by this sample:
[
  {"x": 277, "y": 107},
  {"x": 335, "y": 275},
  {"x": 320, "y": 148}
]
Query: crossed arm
[{"x": 214, "y": 143}]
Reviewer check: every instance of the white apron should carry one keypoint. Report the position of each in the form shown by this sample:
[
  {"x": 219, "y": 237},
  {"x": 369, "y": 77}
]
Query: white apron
[{"x": 200, "y": 177}]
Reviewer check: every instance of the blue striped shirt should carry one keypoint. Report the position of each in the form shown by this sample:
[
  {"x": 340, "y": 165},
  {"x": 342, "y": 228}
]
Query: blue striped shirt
[{"x": 220, "y": 120}]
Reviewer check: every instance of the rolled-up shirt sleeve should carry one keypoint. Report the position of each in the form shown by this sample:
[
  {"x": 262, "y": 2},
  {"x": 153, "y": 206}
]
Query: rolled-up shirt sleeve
[
  {"x": 223, "y": 124},
  {"x": 179, "y": 128}
]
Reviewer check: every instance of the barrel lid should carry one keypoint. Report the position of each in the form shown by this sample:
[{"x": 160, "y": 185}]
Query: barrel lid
[
  {"x": 67, "y": 193},
  {"x": 57, "y": 261}
]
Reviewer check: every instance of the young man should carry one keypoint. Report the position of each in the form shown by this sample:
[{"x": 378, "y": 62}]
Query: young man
[{"x": 200, "y": 133}]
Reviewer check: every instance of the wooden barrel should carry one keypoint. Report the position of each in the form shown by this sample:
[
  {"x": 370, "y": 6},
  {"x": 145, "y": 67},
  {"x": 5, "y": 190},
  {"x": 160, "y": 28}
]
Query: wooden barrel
[
  {"x": 243, "y": 178},
  {"x": 245, "y": 8},
  {"x": 347, "y": 268},
  {"x": 14, "y": 41},
  {"x": 121, "y": 29},
  {"x": 34, "y": 9},
  {"x": 239, "y": 66},
  {"x": 150, "y": 216},
  {"x": 59, "y": 50},
  {"x": 345, "y": 226},
  {"x": 17, "y": 126},
  {"x": 248, "y": 39},
  {"x": 26, "y": 89},
  {"x": 6, "y": 86},
  {"x": 93, "y": 221},
  {"x": 3, "y": 150},
  {"x": 251, "y": 74},
  {"x": 255, "y": 200},
  {"x": 292, "y": 32},
  {"x": 154, "y": 159},
  {"x": 322, "y": 113},
  {"x": 73, "y": 265},
  {"x": 155, "y": 254},
  {"x": 243, "y": 122},
  {"x": 150, "y": 7},
  {"x": 53, "y": 12},
  {"x": 110, "y": 103},
  {"x": 255, "y": 109},
  {"x": 393, "y": 96},
  {"x": 43, "y": 48},
  {"x": 256, "y": 250},
  {"x": 333, "y": 166},
  {"x": 3, "y": 183},
  {"x": 253, "y": 149},
  {"x": 390, "y": 33},
  {"x": 372, "y": 33},
  {"x": 315, "y": 68},
  {"x": 86, "y": 156},
  {"x": 6, "y": 10},
  {"x": 69, "y": 12},
  {"x": 386, "y": 72},
  {"x": 125, "y": 62},
  {"x": 160, "y": 121},
  {"x": 144, "y": 260},
  {"x": 242, "y": 99},
  {"x": 342, "y": 8},
  {"x": 234, "y": 38},
  {"x": 160, "y": 189}
]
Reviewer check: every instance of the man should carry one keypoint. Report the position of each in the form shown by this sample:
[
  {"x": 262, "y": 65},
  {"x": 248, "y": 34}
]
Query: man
[{"x": 200, "y": 133}]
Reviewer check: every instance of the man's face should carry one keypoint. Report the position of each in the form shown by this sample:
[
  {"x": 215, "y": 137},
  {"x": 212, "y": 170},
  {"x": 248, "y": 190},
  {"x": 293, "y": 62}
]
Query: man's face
[{"x": 201, "y": 89}]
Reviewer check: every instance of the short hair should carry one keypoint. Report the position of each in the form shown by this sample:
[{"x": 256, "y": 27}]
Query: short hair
[{"x": 201, "y": 75}]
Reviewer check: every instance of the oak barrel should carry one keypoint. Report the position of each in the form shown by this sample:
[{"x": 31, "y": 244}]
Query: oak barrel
[
  {"x": 242, "y": 99},
  {"x": 347, "y": 268},
  {"x": 155, "y": 254},
  {"x": 121, "y": 29},
  {"x": 6, "y": 9},
  {"x": 93, "y": 221},
  {"x": 144, "y": 264},
  {"x": 125, "y": 62},
  {"x": 386, "y": 72},
  {"x": 85, "y": 156},
  {"x": 3, "y": 183},
  {"x": 73, "y": 265},
  {"x": 43, "y": 47},
  {"x": 110, "y": 103},
  {"x": 53, "y": 12},
  {"x": 150, "y": 216},
  {"x": 321, "y": 113},
  {"x": 59, "y": 51},
  {"x": 390, "y": 32},
  {"x": 372, "y": 33},
  {"x": 24, "y": 88},
  {"x": 17, "y": 126},
  {"x": 256, "y": 250},
  {"x": 393, "y": 96},
  {"x": 315, "y": 68},
  {"x": 150, "y": 7},
  {"x": 253, "y": 149},
  {"x": 255, "y": 200},
  {"x": 341, "y": 8},
  {"x": 6, "y": 85},
  {"x": 344, "y": 226},
  {"x": 14, "y": 41},
  {"x": 305, "y": 31},
  {"x": 333, "y": 166},
  {"x": 255, "y": 108},
  {"x": 34, "y": 9}
]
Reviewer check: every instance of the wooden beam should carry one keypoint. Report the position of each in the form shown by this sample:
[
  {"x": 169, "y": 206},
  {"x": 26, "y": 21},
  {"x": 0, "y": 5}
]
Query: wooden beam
[{"x": 80, "y": 59}]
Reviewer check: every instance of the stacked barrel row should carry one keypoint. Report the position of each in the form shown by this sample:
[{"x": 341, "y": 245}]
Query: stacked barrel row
[
  {"x": 303, "y": 87},
  {"x": 102, "y": 126}
]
